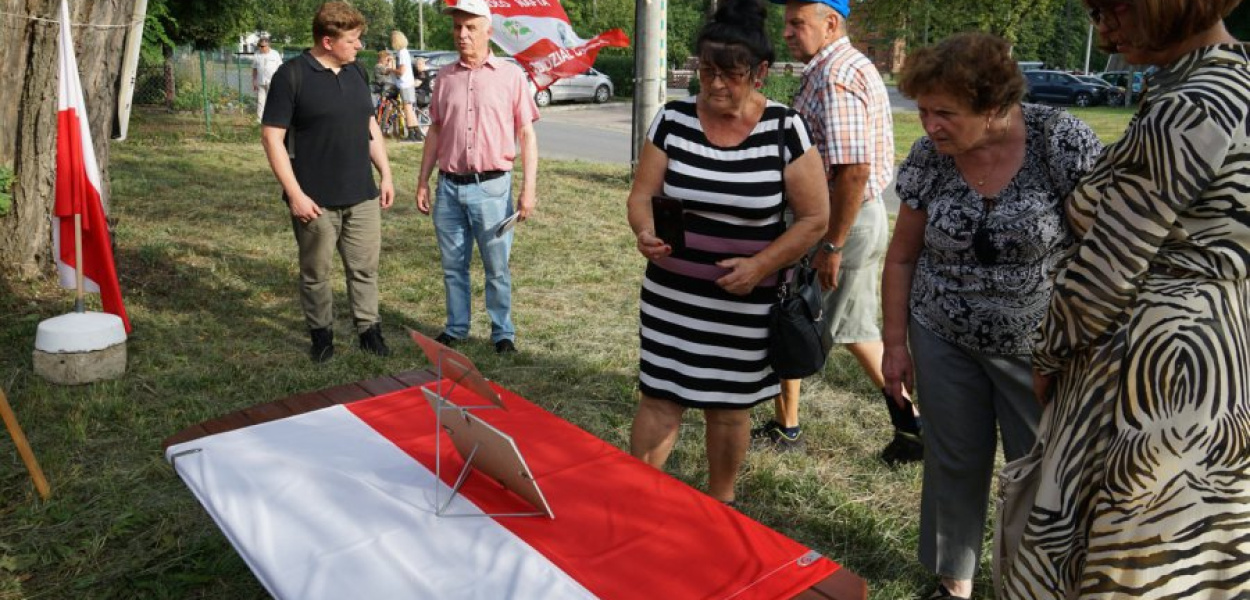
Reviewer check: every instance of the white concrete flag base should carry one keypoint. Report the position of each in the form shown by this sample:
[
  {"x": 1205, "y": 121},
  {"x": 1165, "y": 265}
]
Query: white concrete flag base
[{"x": 78, "y": 348}]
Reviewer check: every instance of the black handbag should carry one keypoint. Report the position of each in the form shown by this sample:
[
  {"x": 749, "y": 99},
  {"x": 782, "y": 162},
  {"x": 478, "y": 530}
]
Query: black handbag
[{"x": 796, "y": 348}]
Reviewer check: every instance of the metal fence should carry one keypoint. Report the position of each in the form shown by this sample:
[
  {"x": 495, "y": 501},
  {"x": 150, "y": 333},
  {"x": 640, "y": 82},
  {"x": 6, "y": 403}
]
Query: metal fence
[{"x": 221, "y": 78}]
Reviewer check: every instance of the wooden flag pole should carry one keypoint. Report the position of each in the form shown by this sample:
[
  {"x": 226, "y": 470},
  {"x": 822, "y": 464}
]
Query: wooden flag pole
[
  {"x": 79, "y": 305},
  {"x": 23, "y": 448}
]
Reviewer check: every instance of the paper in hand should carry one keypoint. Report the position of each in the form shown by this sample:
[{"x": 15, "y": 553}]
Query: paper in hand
[{"x": 506, "y": 225}]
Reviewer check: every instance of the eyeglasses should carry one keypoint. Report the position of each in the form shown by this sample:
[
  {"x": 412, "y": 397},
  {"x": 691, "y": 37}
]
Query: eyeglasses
[
  {"x": 710, "y": 74},
  {"x": 1107, "y": 15}
]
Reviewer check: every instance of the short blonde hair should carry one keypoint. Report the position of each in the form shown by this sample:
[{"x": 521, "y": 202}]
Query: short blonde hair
[{"x": 399, "y": 41}]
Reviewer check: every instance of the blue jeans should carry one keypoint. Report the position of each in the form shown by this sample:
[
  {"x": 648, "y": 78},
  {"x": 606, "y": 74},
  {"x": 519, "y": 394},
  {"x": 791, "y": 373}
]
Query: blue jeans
[{"x": 464, "y": 213}]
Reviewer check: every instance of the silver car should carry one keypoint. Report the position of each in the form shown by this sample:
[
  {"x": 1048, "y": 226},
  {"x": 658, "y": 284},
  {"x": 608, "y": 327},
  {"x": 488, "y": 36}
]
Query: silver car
[{"x": 590, "y": 85}]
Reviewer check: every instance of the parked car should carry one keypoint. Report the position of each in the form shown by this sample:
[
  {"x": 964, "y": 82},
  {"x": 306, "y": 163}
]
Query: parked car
[
  {"x": 1115, "y": 94},
  {"x": 1120, "y": 79},
  {"x": 1062, "y": 88},
  {"x": 590, "y": 85}
]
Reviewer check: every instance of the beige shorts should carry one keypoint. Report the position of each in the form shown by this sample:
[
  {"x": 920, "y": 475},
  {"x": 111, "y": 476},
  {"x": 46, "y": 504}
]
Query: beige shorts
[{"x": 853, "y": 308}]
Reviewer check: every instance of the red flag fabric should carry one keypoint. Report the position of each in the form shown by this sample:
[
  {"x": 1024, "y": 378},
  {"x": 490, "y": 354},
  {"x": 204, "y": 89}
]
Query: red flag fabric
[
  {"x": 538, "y": 34},
  {"x": 78, "y": 189}
]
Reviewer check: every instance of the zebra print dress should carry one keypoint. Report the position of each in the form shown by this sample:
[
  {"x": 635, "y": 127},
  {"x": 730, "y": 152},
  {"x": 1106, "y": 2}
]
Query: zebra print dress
[
  {"x": 703, "y": 347},
  {"x": 1145, "y": 489}
]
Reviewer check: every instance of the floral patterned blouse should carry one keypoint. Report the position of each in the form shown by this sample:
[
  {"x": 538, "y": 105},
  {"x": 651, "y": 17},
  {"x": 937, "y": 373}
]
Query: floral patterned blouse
[{"x": 983, "y": 277}]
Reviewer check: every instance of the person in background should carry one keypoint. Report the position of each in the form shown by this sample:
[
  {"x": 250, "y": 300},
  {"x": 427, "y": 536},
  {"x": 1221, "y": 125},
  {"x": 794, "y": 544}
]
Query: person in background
[
  {"x": 481, "y": 111},
  {"x": 1143, "y": 354},
  {"x": 705, "y": 307},
  {"x": 325, "y": 114},
  {"x": 405, "y": 80},
  {"x": 265, "y": 63},
  {"x": 967, "y": 276},
  {"x": 382, "y": 75},
  {"x": 844, "y": 101}
]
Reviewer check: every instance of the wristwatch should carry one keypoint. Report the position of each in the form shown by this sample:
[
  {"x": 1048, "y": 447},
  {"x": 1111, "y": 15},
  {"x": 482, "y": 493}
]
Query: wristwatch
[{"x": 829, "y": 247}]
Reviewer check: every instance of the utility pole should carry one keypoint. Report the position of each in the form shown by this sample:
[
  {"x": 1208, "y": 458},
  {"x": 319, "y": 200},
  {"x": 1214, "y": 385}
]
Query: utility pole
[
  {"x": 1089, "y": 44},
  {"x": 421, "y": 24},
  {"x": 650, "y": 67}
]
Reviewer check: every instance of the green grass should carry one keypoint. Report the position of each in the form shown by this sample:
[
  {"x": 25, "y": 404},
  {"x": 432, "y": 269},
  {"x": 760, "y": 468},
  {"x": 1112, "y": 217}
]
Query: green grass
[{"x": 207, "y": 262}]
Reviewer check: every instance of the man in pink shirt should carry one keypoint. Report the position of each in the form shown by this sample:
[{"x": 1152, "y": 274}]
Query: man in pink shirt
[{"x": 482, "y": 107}]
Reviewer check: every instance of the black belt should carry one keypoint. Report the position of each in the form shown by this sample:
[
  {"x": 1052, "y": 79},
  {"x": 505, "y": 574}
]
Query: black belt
[{"x": 466, "y": 178}]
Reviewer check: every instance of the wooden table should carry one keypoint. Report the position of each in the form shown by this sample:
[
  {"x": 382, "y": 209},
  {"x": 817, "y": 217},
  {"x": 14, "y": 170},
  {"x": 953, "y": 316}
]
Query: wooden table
[{"x": 841, "y": 585}]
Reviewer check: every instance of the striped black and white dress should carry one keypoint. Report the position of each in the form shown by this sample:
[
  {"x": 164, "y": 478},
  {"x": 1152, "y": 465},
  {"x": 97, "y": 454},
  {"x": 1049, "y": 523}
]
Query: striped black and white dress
[{"x": 703, "y": 347}]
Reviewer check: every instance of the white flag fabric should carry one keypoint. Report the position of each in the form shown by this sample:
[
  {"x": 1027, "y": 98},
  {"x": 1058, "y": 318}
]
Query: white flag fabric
[
  {"x": 538, "y": 34},
  {"x": 78, "y": 189},
  {"x": 340, "y": 503}
]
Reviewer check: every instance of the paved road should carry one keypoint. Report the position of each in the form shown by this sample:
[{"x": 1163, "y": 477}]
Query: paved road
[{"x": 601, "y": 132}]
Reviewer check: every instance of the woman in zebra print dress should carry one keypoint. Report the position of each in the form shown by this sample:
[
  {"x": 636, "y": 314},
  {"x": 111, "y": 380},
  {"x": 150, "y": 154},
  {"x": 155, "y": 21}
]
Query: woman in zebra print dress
[
  {"x": 1144, "y": 355},
  {"x": 704, "y": 308}
]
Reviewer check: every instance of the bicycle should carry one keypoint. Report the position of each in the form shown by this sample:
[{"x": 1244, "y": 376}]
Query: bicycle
[{"x": 390, "y": 113}]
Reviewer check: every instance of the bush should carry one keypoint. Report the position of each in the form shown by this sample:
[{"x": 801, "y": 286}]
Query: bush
[
  {"x": 6, "y": 189},
  {"x": 777, "y": 87},
  {"x": 620, "y": 67}
]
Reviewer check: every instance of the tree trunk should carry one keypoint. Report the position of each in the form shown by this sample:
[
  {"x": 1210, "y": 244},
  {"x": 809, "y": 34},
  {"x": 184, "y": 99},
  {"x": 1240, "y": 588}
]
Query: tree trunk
[{"x": 28, "y": 112}]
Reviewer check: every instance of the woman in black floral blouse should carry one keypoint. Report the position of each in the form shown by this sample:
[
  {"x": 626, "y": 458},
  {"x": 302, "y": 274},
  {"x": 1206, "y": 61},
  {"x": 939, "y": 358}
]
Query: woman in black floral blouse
[{"x": 967, "y": 277}]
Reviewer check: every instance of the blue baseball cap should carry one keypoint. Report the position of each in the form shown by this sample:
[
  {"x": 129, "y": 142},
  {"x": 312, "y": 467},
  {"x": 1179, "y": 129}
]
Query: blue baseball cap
[{"x": 842, "y": 6}]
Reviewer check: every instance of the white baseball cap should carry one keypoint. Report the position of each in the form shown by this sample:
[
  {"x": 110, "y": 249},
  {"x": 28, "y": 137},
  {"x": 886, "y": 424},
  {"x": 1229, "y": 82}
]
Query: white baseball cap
[{"x": 473, "y": 7}]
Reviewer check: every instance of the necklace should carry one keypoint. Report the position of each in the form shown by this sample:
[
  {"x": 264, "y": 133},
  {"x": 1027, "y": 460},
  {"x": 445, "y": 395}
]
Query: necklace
[{"x": 998, "y": 156}]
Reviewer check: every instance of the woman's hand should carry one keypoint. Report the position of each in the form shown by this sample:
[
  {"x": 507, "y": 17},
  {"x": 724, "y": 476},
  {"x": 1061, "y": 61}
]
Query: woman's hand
[
  {"x": 1042, "y": 385},
  {"x": 744, "y": 275},
  {"x": 897, "y": 368},
  {"x": 651, "y": 247}
]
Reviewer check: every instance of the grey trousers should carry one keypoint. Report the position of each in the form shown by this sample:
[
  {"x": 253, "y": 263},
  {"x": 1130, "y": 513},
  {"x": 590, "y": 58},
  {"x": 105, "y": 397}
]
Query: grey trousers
[
  {"x": 963, "y": 396},
  {"x": 356, "y": 232}
]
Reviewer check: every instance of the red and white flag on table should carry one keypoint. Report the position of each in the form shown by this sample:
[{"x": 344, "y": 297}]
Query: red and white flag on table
[
  {"x": 537, "y": 33},
  {"x": 78, "y": 190}
]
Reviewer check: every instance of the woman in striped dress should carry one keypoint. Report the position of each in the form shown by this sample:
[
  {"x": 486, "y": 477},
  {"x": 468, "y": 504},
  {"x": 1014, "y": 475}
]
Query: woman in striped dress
[
  {"x": 704, "y": 308},
  {"x": 1144, "y": 355}
]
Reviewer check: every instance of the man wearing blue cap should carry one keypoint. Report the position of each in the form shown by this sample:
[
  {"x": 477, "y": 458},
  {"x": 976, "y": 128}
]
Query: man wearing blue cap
[{"x": 847, "y": 109}]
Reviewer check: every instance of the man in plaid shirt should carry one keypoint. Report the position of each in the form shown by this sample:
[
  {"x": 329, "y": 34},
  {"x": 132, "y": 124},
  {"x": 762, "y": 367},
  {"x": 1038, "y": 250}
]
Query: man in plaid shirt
[{"x": 844, "y": 102}]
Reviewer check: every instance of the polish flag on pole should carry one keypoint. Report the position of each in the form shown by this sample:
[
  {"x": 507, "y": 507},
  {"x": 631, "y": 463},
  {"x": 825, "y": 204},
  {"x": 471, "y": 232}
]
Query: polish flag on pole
[
  {"x": 86, "y": 263},
  {"x": 537, "y": 33}
]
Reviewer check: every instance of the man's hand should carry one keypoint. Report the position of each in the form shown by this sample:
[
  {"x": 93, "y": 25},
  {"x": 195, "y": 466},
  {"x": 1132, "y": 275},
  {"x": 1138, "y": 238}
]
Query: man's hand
[
  {"x": 423, "y": 197},
  {"x": 527, "y": 205},
  {"x": 828, "y": 266},
  {"x": 388, "y": 192},
  {"x": 304, "y": 209}
]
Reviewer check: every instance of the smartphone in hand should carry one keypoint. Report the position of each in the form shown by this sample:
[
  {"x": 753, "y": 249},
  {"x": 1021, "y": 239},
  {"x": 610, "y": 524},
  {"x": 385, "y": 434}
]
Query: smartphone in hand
[{"x": 670, "y": 221}]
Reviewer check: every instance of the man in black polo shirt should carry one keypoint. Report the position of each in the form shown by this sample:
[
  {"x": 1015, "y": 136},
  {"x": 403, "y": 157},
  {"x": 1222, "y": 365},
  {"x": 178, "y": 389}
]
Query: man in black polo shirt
[{"x": 320, "y": 136}]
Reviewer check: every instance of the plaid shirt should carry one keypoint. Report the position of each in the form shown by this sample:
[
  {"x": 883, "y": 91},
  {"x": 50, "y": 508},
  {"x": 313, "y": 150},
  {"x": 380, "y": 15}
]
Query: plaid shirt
[{"x": 844, "y": 102}]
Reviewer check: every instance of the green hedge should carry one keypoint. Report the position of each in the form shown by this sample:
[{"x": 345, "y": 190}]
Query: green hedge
[
  {"x": 777, "y": 87},
  {"x": 620, "y": 67}
]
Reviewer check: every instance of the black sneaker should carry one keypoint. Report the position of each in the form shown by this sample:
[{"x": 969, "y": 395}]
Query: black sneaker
[
  {"x": 781, "y": 439},
  {"x": 322, "y": 345},
  {"x": 761, "y": 432},
  {"x": 371, "y": 341},
  {"x": 904, "y": 448},
  {"x": 505, "y": 347},
  {"x": 447, "y": 340}
]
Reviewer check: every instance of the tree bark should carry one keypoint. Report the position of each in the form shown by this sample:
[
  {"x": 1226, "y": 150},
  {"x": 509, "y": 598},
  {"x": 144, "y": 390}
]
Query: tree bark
[{"x": 28, "y": 112}]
